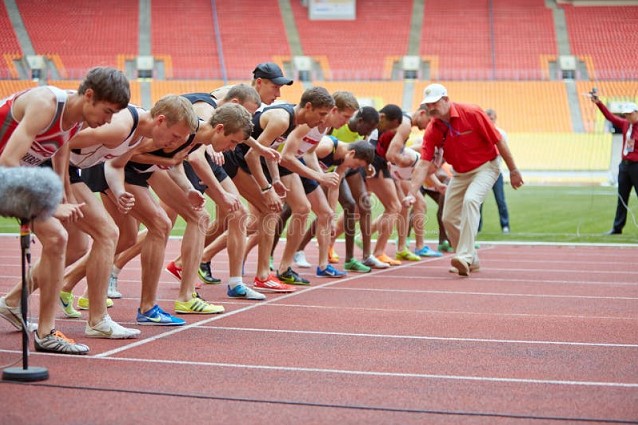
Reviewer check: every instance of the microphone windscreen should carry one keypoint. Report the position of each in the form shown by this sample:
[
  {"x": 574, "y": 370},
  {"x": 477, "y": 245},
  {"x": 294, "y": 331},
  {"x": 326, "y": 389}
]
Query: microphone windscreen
[{"x": 29, "y": 192}]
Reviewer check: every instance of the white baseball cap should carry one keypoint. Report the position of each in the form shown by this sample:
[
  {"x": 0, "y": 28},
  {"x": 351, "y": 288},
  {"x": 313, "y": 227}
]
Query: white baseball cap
[
  {"x": 628, "y": 108},
  {"x": 433, "y": 93}
]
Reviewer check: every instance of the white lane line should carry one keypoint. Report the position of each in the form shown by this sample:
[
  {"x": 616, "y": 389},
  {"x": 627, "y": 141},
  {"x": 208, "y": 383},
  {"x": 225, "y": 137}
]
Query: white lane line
[
  {"x": 429, "y": 338},
  {"x": 360, "y": 372}
]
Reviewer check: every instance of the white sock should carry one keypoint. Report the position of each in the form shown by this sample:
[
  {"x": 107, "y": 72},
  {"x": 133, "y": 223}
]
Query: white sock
[
  {"x": 115, "y": 271},
  {"x": 234, "y": 281}
]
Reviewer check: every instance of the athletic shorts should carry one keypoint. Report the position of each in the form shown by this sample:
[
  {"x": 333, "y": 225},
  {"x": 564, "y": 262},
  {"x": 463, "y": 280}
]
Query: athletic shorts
[
  {"x": 218, "y": 171},
  {"x": 233, "y": 161},
  {"x": 380, "y": 167},
  {"x": 94, "y": 178}
]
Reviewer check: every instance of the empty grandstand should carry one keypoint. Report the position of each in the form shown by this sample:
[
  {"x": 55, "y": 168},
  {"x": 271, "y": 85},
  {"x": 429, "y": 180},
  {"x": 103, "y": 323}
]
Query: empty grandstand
[{"x": 532, "y": 60}]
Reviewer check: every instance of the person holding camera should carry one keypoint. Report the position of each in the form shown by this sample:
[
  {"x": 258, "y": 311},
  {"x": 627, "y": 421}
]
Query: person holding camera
[{"x": 628, "y": 168}]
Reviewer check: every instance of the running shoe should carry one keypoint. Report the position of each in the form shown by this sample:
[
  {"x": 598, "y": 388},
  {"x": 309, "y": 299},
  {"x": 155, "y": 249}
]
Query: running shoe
[
  {"x": 426, "y": 251},
  {"x": 385, "y": 259},
  {"x": 107, "y": 328},
  {"x": 205, "y": 274},
  {"x": 83, "y": 303},
  {"x": 353, "y": 265},
  {"x": 300, "y": 260},
  {"x": 12, "y": 314},
  {"x": 445, "y": 247},
  {"x": 174, "y": 270},
  {"x": 66, "y": 302},
  {"x": 197, "y": 305},
  {"x": 330, "y": 271},
  {"x": 333, "y": 257},
  {"x": 272, "y": 284},
  {"x": 158, "y": 317},
  {"x": 57, "y": 342},
  {"x": 292, "y": 278},
  {"x": 375, "y": 263},
  {"x": 407, "y": 255},
  {"x": 112, "y": 291},
  {"x": 242, "y": 291}
]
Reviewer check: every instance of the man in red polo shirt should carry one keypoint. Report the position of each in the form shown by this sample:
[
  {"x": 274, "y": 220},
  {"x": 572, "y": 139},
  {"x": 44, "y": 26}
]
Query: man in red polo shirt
[{"x": 469, "y": 141}]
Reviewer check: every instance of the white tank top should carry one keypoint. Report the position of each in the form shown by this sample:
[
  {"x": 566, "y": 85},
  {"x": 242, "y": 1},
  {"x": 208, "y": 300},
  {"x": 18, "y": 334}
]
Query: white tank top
[{"x": 92, "y": 155}]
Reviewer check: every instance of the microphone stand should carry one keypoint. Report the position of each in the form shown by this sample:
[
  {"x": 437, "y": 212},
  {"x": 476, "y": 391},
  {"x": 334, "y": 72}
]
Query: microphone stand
[{"x": 25, "y": 373}]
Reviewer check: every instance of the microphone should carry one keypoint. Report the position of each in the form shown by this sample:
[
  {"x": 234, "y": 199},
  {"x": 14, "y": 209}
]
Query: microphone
[{"x": 29, "y": 192}]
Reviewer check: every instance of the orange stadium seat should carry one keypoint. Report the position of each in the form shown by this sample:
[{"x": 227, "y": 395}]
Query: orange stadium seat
[
  {"x": 375, "y": 93},
  {"x": 608, "y": 35},
  {"x": 356, "y": 50},
  {"x": 136, "y": 97},
  {"x": 8, "y": 45},
  {"x": 187, "y": 37},
  {"x": 522, "y": 106},
  {"x": 81, "y": 33},
  {"x": 8, "y": 87},
  {"x": 251, "y": 32}
]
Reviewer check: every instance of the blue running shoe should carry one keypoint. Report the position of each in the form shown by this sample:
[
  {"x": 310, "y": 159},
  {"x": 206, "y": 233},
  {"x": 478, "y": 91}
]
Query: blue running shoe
[
  {"x": 242, "y": 291},
  {"x": 426, "y": 251},
  {"x": 330, "y": 271},
  {"x": 158, "y": 317}
]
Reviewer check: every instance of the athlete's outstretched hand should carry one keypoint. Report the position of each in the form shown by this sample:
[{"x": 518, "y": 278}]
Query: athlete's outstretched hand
[{"x": 69, "y": 213}]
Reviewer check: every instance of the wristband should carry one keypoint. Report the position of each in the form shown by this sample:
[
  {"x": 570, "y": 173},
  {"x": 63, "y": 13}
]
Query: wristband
[
  {"x": 515, "y": 170},
  {"x": 267, "y": 188}
]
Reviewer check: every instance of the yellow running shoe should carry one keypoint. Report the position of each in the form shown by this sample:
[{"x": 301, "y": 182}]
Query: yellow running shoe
[
  {"x": 197, "y": 305},
  {"x": 66, "y": 302},
  {"x": 407, "y": 255},
  {"x": 83, "y": 303}
]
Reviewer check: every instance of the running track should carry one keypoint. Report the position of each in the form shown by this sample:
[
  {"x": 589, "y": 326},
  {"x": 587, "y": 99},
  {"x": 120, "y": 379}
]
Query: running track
[{"x": 542, "y": 334}]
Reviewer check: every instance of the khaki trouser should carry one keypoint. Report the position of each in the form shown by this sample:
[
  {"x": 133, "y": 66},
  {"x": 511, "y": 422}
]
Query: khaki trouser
[{"x": 461, "y": 213}]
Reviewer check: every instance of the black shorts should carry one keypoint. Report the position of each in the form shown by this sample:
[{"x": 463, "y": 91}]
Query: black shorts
[
  {"x": 218, "y": 171},
  {"x": 94, "y": 178},
  {"x": 309, "y": 185},
  {"x": 380, "y": 167},
  {"x": 134, "y": 177},
  {"x": 233, "y": 161},
  {"x": 74, "y": 175}
]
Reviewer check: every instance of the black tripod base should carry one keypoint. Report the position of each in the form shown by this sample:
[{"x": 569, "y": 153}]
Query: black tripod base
[{"x": 30, "y": 374}]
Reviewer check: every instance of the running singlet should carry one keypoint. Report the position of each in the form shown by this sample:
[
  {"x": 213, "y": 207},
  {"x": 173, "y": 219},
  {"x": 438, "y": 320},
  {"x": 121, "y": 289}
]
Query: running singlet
[
  {"x": 310, "y": 140},
  {"x": 200, "y": 97},
  {"x": 148, "y": 169},
  {"x": 328, "y": 162},
  {"x": 46, "y": 143},
  {"x": 290, "y": 108},
  {"x": 92, "y": 155}
]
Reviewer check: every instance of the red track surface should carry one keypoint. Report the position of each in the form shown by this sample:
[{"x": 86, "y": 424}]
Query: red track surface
[{"x": 542, "y": 334}]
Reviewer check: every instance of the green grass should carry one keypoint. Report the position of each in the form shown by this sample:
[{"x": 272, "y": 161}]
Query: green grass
[{"x": 567, "y": 214}]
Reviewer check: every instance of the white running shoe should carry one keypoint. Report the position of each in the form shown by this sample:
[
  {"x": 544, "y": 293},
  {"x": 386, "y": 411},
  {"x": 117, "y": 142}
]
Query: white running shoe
[
  {"x": 107, "y": 328},
  {"x": 375, "y": 263},
  {"x": 12, "y": 314},
  {"x": 300, "y": 260}
]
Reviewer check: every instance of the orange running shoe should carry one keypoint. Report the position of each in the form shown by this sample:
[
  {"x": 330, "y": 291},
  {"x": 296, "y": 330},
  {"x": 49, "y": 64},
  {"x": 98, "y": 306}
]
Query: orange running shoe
[
  {"x": 385, "y": 259},
  {"x": 333, "y": 257},
  {"x": 272, "y": 284}
]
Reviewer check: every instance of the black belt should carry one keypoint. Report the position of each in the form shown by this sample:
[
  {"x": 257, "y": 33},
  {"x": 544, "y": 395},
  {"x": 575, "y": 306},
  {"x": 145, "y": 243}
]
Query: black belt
[{"x": 627, "y": 162}]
